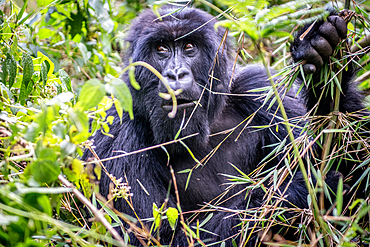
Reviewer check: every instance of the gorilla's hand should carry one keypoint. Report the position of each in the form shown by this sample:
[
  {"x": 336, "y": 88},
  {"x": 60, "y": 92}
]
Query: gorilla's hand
[{"x": 317, "y": 41}]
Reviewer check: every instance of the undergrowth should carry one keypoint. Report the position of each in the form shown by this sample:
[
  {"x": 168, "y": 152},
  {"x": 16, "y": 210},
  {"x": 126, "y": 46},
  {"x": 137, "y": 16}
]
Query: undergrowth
[{"x": 61, "y": 66}]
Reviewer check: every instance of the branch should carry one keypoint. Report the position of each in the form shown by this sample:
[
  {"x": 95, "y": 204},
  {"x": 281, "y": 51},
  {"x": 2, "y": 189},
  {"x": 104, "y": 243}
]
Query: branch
[{"x": 363, "y": 43}]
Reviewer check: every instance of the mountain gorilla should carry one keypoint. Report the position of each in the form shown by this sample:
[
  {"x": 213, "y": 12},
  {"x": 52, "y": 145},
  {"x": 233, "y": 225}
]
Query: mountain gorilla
[{"x": 229, "y": 129}]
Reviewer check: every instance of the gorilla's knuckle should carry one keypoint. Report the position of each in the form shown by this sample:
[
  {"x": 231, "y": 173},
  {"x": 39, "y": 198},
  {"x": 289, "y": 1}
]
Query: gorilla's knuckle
[
  {"x": 330, "y": 33},
  {"x": 313, "y": 57},
  {"x": 340, "y": 24},
  {"x": 322, "y": 46}
]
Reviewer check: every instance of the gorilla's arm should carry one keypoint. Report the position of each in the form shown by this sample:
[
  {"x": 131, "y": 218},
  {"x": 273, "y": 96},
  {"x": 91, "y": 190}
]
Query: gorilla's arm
[{"x": 314, "y": 44}]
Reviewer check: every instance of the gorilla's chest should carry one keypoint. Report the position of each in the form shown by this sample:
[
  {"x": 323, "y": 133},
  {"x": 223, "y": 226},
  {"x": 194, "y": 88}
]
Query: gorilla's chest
[{"x": 203, "y": 181}]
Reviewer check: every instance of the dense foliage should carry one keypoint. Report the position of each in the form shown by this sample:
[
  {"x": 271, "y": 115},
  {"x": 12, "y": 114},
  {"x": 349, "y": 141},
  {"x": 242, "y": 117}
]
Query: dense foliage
[{"x": 60, "y": 68}]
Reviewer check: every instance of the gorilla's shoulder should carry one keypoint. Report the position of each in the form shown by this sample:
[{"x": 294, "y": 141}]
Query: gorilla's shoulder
[
  {"x": 255, "y": 76},
  {"x": 250, "y": 77}
]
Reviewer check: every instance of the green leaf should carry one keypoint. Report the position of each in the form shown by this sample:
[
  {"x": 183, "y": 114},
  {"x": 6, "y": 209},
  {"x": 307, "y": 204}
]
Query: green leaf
[
  {"x": 27, "y": 65},
  {"x": 26, "y": 18},
  {"x": 45, "y": 169},
  {"x": 59, "y": 130},
  {"x": 45, "y": 118},
  {"x": 119, "y": 109},
  {"x": 49, "y": 63},
  {"x": 84, "y": 52},
  {"x": 120, "y": 90},
  {"x": 91, "y": 94},
  {"x": 206, "y": 220},
  {"x": 172, "y": 216},
  {"x": 110, "y": 119},
  {"x": 28, "y": 69},
  {"x": 42, "y": 3},
  {"x": 44, "y": 202},
  {"x": 44, "y": 72},
  {"x": 25, "y": 91},
  {"x": 79, "y": 133},
  {"x": 75, "y": 22},
  {"x": 66, "y": 81},
  {"x": 11, "y": 65},
  {"x": 59, "y": 88},
  {"x": 20, "y": 13},
  {"x": 5, "y": 92},
  {"x": 4, "y": 68},
  {"x": 15, "y": 45},
  {"x": 44, "y": 33},
  {"x": 32, "y": 132},
  {"x": 156, "y": 215}
]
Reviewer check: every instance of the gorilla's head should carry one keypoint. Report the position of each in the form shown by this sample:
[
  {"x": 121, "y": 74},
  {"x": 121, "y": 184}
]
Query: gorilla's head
[{"x": 185, "y": 48}]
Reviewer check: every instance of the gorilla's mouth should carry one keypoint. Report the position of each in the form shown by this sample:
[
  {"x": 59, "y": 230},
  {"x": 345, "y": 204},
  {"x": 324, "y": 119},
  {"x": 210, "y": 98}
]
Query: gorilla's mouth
[{"x": 181, "y": 104}]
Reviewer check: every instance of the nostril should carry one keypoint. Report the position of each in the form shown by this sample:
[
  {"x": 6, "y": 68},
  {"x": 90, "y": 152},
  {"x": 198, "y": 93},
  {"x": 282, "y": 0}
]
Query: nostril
[
  {"x": 183, "y": 74},
  {"x": 171, "y": 77}
]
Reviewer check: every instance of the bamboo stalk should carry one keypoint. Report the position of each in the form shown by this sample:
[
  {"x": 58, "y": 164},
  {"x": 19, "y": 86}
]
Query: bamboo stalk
[{"x": 316, "y": 210}]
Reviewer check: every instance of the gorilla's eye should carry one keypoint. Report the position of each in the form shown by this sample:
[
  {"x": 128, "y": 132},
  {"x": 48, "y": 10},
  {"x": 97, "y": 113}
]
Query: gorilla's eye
[
  {"x": 162, "y": 49},
  {"x": 189, "y": 46}
]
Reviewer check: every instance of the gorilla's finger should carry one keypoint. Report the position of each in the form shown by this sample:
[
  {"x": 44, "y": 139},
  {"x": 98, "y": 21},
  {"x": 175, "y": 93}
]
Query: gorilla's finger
[
  {"x": 313, "y": 57},
  {"x": 330, "y": 33},
  {"x": 322, "y": 46},
  {"x": 340, "y": 24},
  {"x": 309, "y": 68}
]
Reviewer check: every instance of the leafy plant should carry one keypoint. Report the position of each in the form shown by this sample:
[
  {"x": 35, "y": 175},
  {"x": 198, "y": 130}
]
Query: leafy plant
[{"x": 49, "y": 51}]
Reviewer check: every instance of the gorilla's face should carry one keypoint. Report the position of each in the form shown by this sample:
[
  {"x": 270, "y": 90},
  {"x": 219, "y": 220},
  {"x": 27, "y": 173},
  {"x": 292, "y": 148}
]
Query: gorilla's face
[
  {"x": 179, "y": 62},
  {"x": 191, "y": 62},
  {"x": 177, "y": 59}
]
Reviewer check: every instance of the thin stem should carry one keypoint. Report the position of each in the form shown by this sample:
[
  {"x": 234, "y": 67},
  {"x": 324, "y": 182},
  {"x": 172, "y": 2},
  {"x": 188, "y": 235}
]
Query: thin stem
[
  {"x": 334, "y": 123},
  {"x": 164, "y": 81},
  {"x": 331, "y": 125},
  {"x": 347, "y": 4},
  {"x": 316, "y": 210}
]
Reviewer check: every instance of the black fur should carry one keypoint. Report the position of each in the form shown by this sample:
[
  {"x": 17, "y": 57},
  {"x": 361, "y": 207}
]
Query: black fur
[{"x": 217, "y": 112}]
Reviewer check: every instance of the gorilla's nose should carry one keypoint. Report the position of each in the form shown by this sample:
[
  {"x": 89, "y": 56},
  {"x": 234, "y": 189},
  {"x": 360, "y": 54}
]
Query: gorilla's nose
[{"x": 178, "y": 78}]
